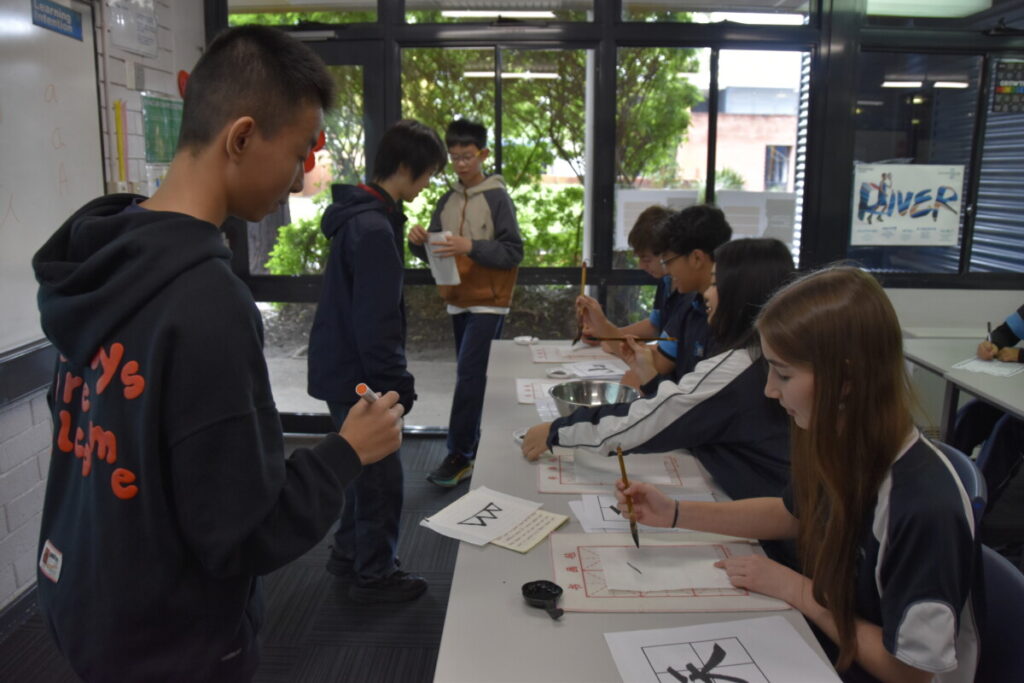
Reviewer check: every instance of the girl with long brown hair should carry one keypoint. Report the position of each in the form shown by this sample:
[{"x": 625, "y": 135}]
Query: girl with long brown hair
[{"x": 883, "y": 525}]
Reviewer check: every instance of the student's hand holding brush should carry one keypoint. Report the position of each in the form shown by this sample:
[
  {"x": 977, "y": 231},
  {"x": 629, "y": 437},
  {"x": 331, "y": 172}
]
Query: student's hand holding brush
[
  {"x": 650, "y": 506},
  {"x": 639, "y": 357},
  {"x": 595, "y": 323}
]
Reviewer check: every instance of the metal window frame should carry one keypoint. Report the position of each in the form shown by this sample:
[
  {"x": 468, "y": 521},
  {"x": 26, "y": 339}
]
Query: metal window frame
[{"x": 835, "y": 35}]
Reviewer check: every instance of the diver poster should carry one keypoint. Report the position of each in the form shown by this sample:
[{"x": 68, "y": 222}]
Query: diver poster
[{"x": 905, "y": 205}]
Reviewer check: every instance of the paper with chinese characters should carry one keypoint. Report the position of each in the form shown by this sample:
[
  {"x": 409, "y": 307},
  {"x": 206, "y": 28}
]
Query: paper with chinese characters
[
  {"x": 480, "y": 516},
  {"x": 763, "y": 650}
]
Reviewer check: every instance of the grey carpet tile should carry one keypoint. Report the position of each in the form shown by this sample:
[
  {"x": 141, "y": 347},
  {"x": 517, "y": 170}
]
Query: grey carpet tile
[
  {"x": 366, "y": 665},
  {"x": 312, "y": 631},
  {"x": 28, "y": 655}
]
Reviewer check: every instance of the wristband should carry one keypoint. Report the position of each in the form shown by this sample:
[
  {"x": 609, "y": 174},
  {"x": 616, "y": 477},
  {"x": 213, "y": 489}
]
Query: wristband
[{"x": 675, "y": 516}]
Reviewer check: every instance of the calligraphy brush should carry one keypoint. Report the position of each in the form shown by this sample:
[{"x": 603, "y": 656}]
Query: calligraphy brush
[
  {"x": 583, "y": 290},
  {"x": 629, "y": 499},
  {"x": 639, "y": 339}
]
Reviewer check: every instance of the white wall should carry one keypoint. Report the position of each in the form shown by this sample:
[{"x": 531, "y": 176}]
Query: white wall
[
  {"x": 25, "y": 426},
  {"x": 181, "y": 39},
  {"x": 933, "y": 311}
]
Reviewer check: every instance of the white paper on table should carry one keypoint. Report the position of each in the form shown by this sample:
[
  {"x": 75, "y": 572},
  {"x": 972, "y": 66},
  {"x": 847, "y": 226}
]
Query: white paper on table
[
  {"x": 443, "y": 268},
  {"x": 546, "y": 408},
  {"x": 763, "y": 650},
  {"x": 596, "y": 516},
  {"x": 577, "y": 471},
  {"x": 593, "y": 468},
  {"x": 529, "y": 390},
  {"x": 648, "y": 569},
  {"x": 553, "y": 353},
  {"x": 480, "y": 516},
  {"x": 988, "y": 367},
  {"x": 580, "y": 571},
  {"x": 612, "y": 368}
]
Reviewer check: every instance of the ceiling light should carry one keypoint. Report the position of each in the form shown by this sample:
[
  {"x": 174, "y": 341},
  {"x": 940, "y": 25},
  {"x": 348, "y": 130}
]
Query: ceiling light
[
  {"x": 901, "y": 84},
  {"x": 511, "y": 74},
  {"x": 492, "y": 14},
  {"x": 951, "y": 84}
]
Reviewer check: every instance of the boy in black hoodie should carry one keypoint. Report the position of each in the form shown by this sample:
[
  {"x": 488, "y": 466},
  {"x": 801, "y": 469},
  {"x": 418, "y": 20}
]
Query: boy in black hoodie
[
  {"x": 169, "y": 493},
  {"x": 358, "y": 335}
]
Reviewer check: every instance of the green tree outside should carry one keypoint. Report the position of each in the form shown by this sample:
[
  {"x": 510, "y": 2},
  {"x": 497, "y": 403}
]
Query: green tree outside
[{"x": 543, "y": 122}]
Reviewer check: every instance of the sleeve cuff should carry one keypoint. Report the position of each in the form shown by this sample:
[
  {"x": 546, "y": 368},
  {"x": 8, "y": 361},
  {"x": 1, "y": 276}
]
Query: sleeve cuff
[{"x": 340, "y": 457}]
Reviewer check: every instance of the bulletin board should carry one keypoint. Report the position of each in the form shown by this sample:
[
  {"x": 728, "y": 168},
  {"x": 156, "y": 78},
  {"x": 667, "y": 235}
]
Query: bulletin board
[{"x": 52, "y": 160}]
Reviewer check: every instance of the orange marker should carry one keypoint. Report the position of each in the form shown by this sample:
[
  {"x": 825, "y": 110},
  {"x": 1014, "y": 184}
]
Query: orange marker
[{"x": 366, "y": 393}]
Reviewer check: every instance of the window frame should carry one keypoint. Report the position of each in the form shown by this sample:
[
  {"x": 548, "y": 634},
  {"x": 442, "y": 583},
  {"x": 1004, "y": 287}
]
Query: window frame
[{"x": 835, "y": 36}]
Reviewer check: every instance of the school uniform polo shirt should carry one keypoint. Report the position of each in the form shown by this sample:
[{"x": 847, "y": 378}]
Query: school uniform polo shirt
[{"x": 915, "y": 574}]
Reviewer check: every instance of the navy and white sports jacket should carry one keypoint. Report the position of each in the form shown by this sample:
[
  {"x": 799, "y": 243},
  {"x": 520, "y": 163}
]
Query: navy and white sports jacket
[{"x": 718, "y": 412}]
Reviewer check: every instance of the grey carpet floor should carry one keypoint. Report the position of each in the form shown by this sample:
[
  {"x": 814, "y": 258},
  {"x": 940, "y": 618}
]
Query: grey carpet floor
[{"x": 313, "y": 632}]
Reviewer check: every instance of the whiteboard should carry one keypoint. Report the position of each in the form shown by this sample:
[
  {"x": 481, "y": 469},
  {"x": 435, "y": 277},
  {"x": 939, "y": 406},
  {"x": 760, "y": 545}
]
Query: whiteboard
[{"x": 51, "y": 162}]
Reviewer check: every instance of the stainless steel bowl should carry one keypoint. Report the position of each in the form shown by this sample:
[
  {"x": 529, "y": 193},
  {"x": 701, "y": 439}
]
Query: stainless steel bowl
[{"x": 580, "y": 393}]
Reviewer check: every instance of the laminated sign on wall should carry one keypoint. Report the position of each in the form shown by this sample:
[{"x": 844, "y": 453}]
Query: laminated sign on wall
[{"x": 903, "y": 205}]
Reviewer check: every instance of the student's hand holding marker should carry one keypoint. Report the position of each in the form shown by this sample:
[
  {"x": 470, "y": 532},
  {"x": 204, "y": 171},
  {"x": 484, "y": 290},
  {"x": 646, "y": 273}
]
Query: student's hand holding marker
[
  {"x": 989, "y": 351},
  {"x": 535, "y": 443},
  {"x": 373, "y": 427},
  {"x": 650, "y": 506},
  {"x": 639, "y": 357},
  {"x": 417, "y": 235}
]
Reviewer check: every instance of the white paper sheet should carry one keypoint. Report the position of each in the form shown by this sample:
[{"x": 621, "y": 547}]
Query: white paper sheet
[
  {"x": 648, "y": 569},
  {"x": 580, "y": 571},
  {"x": 553, "y": 353},
  {"x": 612, "y": 368},
  {"x": 568, "y": 471},
  {"x": 529, "y": 390},
  {"x": 546, "y": 408},
  {"x": 480, "y": 516},
  {"x": 763, "y": 650},
  {"x": 988, "y": 367},
  {"x": 442, "y": 268},
  {"x": 596, "y": 516}
]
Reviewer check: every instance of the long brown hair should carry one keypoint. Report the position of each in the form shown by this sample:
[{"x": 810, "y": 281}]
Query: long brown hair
[{"x": 839, "y": 323}]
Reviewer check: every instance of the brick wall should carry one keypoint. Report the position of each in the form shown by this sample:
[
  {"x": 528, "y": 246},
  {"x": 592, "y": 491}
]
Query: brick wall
[{"x": 25, "y": 430}]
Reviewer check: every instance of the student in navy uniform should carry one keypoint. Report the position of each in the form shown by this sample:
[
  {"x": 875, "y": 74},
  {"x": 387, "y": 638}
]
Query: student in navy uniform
[
  {"x": 884, "y": 527},
  {"x": 1003, "y": 525},
  {"x": 645, "y": 238},
  {"x": 974, "y": 422},
  {"x": 169, "y": 493},
  {"x": 487, "y": 249},
  {"x": 719, "y": 411},
  {"x": 358, "y": 335}
]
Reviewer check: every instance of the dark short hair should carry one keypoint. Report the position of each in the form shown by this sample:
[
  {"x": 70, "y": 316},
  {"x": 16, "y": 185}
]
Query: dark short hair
[
  {"x": 465, "y": 132},
  {"x": 252, "y": 71},
  {"x": 645, "y": 235},
  {"x": 747, "y": 273},
  {"x": 702, "y": 226},
  {"x": 411, "y": 143}
]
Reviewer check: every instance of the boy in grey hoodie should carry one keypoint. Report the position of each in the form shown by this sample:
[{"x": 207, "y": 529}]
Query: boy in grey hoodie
[{"x": 487, "y": 248}]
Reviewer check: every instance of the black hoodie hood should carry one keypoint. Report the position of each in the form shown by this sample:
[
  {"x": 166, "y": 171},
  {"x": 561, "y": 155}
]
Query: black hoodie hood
[
  {"x": 104, "y": 264},
  {"x": 352, "y": 200}
]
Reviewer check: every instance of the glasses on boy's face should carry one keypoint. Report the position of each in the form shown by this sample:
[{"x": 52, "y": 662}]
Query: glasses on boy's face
[
  {"x": 665, "y": 261},
  {"x": 463, "y": 158}
]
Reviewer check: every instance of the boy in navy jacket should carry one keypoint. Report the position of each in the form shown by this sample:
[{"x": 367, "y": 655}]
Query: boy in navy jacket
[
  {"x": 358, "y": 335},
  {"x": 168, "y": 492}
]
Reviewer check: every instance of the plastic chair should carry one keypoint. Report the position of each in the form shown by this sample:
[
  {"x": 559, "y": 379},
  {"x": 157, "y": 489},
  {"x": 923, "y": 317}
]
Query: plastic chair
[
  {"x": 1001, "y": 456},
  {"x": 1002, "y": 654},
  {"x": 970, "y": 477}
]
